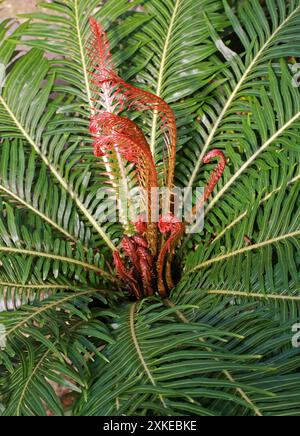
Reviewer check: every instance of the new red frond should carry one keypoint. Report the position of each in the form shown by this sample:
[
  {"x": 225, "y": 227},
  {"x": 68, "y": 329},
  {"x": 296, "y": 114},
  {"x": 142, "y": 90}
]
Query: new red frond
[
  {"x": 146, "y": 263},
  {"x": 114, "y": 94}
]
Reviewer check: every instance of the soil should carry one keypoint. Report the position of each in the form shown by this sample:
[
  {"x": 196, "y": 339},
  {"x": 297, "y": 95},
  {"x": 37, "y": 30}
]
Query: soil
[{"x": 10, "y": 8}]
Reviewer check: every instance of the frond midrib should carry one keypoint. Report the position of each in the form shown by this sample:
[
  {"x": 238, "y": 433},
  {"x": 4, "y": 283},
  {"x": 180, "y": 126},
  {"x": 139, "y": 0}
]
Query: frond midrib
[
  {"x": 39, "y": 213},
  {"x": 138, "y": 349},
  {"x": 48, "y": 306},
  {"x": 81, "y": 50},
  {"x": 244, "y": 250},
  {"x": 32, "y": 286},
  {"x": 53, "y": 256},
  {"x": 250, "y": 294},
  {"x": 161, "y": 74}
]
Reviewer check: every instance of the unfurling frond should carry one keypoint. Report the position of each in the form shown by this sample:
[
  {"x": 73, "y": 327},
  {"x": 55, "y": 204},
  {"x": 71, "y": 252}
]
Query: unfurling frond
[
  {"x": 112, "y": 132},
  {"x": 115, "y": 94}
]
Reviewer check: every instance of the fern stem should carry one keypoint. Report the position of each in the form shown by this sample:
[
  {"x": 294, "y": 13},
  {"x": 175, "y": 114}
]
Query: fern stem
[
  {"x": 55, "y": 257},
  {"x": 138, "y": 349},
  {"x": 255, "y": 295},
  {"x": 161, "y": 74},
  {"x": 244, "y": 250},
  {"x": 40, "y": 214}
]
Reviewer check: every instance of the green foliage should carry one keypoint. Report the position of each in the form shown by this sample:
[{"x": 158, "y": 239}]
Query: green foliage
[{"x": 221, "y": 344}]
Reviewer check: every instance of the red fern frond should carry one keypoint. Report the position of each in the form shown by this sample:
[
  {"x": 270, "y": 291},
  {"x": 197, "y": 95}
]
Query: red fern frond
[
  {"x": 217, "y": 172},
  {"x": 100, "y": 69},
  {"x": 112, "y": 132},
  {"x": 129, "y": 248},
  {"x": 114, "y": 93},
  {"x": 142, "y": 100},
  {"x": 99, "y": 47},
  {"x": 142, "y": 269},
  {"x": 126, "y": 275},
  {"x": 136, "y": 249},
  {"x": 214, "y": 177}
]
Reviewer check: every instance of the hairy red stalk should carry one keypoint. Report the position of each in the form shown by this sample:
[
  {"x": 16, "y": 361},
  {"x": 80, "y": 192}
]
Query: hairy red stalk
[
  {"x": 214, "y": 177},
  {"x": 167, "y": 224},
  {"x": 146, "y": 265}
]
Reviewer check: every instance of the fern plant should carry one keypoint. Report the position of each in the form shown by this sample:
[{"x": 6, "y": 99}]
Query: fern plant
[{"x": 221, "y": 342}]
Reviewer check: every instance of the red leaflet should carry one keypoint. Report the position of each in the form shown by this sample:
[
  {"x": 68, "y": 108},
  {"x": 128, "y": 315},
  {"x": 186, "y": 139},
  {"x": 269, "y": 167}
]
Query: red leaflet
[{"x": 141, "y": 225}]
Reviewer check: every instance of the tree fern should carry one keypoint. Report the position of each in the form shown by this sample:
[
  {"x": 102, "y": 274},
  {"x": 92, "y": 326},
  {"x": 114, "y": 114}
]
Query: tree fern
[{"x": 221, "y": 343}]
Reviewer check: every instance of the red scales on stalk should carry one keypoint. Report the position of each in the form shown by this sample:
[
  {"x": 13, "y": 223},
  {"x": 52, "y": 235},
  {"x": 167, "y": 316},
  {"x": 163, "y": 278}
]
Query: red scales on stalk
[{"x": 145, "y": 265}]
